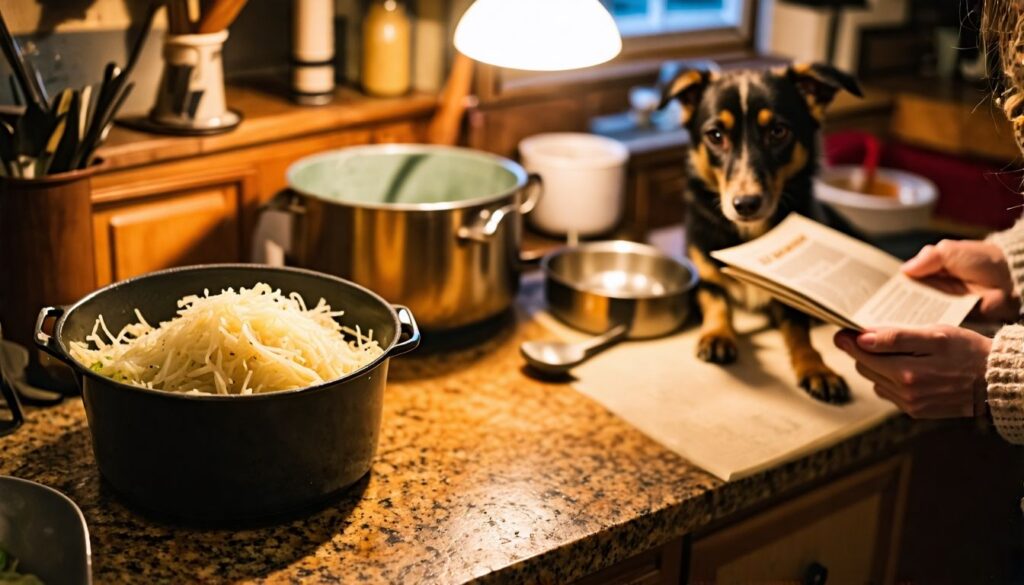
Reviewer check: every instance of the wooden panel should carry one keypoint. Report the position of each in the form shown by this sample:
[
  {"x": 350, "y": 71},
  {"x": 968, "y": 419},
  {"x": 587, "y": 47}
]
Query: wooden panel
[
  {"x": 953, "y": 127},
  {"x": 172, "y": 222},
  {"x": 404, "y": 132},
  {"x": 661, "y": 566},
  {"x": 500, "y": 130},
  {"x": 190, "y": 229},
  {"x": 654, "y": 191},
  {"x": 851, "y": 527},
  {"x": 269, "y": 117}
]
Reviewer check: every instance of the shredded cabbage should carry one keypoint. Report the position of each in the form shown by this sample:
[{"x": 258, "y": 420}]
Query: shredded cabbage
[{"x": 237, "y": 342}]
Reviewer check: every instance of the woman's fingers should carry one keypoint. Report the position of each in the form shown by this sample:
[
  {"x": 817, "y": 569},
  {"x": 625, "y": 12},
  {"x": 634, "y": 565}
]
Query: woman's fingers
[
  {"x": 924, "y": 341},
  {"x": 926, "y": 263}
]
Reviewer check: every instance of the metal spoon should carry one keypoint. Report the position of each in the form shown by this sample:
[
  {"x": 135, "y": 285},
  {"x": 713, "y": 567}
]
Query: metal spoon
[{"x": 556, "y": 357}]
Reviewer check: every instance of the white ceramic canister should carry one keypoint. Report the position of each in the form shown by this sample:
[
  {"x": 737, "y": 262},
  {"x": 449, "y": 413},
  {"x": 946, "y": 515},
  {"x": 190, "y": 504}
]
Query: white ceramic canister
[
  {"x": 584, "y": 180},
  {"x": 313, "y": 51},
  {"x": 191, "y": 94}
]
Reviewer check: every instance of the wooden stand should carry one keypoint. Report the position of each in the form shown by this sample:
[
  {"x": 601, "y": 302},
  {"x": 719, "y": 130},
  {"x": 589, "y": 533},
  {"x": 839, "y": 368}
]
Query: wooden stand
[{"x": 46, "y": 256}]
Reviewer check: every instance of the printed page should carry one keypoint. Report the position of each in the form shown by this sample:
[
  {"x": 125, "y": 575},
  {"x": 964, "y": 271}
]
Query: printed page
[
  {"x": 732, "y": 421},
  {"x": 846, "y": 277}
]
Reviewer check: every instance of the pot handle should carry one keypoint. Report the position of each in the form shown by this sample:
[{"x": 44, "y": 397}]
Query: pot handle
[
  {"x": 45, "y": 341},
  {"x": 486, "y": 224},
  {"x": 409, "y": 330},
  {"x": 284, "y": 200}
]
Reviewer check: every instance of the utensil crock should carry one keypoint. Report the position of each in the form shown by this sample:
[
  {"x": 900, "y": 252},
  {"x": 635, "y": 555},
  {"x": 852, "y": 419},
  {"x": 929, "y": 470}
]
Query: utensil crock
[{"x": 46, "y": 241}]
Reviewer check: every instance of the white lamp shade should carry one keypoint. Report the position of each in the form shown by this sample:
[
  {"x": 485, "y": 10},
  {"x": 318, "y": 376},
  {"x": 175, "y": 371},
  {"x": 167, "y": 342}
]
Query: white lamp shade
[{"x": 538, "y": 35}]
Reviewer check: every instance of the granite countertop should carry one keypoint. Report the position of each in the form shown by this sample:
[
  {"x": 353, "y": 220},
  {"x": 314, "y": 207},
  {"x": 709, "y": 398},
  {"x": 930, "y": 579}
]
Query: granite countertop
[{"x": 482, "y": 473}]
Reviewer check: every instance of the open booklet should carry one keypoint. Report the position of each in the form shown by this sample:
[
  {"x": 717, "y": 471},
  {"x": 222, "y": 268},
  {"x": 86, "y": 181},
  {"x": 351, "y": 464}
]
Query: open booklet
[{"x": 839, "y": 279}]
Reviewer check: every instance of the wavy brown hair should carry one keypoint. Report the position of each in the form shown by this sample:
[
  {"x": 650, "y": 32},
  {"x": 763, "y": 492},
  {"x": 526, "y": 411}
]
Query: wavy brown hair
[{"x": 999, "y": 23}]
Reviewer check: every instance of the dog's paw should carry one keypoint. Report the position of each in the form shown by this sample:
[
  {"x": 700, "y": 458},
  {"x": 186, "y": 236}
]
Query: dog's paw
[
  {"x": 717, "y": 349},
  {"x": 826, "y": 385}
]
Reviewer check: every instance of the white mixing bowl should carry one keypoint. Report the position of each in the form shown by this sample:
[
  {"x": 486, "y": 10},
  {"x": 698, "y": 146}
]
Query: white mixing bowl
[
  {"x": 910, "y": 209},
  {"x": 584, "y": 178}
]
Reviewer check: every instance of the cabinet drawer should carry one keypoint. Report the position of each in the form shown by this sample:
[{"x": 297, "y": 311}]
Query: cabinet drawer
[
  {"x": 850, "y": 528},
  {"x": 660, "y": 566},
  {"x": 175, "y": 225}
]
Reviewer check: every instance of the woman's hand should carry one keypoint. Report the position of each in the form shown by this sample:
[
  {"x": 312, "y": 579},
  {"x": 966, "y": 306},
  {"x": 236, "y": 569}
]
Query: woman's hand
[
  {"x": 967, "y": 266},
  {"x": 933, "y": 372}
]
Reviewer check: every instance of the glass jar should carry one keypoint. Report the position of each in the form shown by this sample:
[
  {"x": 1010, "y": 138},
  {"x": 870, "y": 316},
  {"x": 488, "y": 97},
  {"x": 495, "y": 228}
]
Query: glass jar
[{"x": 386, "y": 49}]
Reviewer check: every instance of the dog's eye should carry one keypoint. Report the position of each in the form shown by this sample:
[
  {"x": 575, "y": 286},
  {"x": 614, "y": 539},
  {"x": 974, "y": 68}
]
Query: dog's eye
[
  {"x": 778, "y": 133},
  {"x": 715, "y": 136}
]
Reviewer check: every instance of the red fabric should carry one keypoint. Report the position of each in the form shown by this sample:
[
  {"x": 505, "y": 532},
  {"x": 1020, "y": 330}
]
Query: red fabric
[{"x": 970, "y": 191}]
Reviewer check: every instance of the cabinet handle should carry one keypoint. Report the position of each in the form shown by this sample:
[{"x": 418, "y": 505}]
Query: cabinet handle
[{"x": 815, "y": 574}]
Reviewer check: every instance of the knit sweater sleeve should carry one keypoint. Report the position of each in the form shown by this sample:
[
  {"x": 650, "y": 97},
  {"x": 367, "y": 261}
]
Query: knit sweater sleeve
[
  {"x": 1005, "y": 378},
  {"x": 1005, "y": 372},
  {"x": 1011, "y": 241}
]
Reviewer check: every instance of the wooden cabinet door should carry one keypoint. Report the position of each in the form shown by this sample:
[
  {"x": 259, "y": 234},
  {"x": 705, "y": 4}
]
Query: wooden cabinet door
[
  {"x": 849, "y": 528},
  {"x": 659, "y": 566},
  {"x": 175, "y": 222}
]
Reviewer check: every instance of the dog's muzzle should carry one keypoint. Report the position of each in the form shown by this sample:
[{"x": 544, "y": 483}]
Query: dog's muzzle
[{"x": 747, "y": 206}]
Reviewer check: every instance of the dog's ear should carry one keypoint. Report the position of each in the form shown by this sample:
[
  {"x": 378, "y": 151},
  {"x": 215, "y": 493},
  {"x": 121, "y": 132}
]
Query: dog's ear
[
  {"x": 819, "y": 83},
  {"x": 687, "y": 87}
]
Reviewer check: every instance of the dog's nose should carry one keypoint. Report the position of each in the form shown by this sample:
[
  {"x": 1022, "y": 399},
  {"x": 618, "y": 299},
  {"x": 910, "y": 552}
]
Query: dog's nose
[{"x": 747, "y": 205}]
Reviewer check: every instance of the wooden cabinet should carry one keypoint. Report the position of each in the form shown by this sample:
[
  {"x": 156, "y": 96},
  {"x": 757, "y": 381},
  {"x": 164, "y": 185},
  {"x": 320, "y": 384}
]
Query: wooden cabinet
[
  {"x": 660, "y": 566},
  {"x": 189, "y": 220},
  {"x": 655, "y": 185},
  {"x": 203, "y": 209},
  {"x": 848, "y": 529}
]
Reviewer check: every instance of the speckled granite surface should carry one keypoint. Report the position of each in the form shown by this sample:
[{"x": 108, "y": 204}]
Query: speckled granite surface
[{"x": 482, "y": 473}]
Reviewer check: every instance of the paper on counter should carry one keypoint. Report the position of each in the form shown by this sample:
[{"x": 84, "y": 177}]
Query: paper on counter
[{"x": 735, "y": 420}]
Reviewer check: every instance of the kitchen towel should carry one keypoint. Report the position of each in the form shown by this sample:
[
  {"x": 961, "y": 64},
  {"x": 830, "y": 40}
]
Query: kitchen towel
[{"x": 733, "y": 421}]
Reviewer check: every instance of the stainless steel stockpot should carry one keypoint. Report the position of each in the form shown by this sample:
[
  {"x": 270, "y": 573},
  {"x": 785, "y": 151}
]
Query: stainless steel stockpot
[{"x": 435, "y": 228}]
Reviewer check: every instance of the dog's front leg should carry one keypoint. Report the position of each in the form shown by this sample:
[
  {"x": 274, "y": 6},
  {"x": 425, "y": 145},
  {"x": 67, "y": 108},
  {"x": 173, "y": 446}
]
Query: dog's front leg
[
  {"x": 717, "y": 337},
  {"x": 811, "y": 372}
]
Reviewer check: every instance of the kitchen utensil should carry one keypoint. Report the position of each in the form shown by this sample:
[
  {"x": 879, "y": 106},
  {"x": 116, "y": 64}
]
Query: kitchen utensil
[
  {"x": 448, "y": 247},
  {"x": 238, "y": 458},
  {"x": 177, "y": 18},
  {"x": 220, "y": 15},
  {"x": 10, "y": 397},
  {"x": 15, "y": 360},
  {"x": 45, "y": 531},
  {"x": 64, "y": 150},
  {"x": 598, "y": 286},
  {"x": 910, "y": 209},
  {"x": 556, "y": 357},
  {"x": 584, "y": 180},
  {"x": 190, "y": 100},
  {"x": 30, "y": 87}
]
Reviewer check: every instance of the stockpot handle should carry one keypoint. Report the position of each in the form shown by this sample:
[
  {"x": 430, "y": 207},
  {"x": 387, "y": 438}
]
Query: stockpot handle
[
  {"x": 409, "y": 330},
  {"x": 487, "y": 223},
  {"x": 284, "y": 200},
  {"x": 45, "y": 341}
]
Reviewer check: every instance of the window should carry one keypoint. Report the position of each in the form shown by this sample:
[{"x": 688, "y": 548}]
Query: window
[{"x": 654, "y": 17}]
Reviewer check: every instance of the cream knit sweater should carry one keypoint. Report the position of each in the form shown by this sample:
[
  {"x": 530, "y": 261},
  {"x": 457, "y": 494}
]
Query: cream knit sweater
[{"x": 1005, "y": 373}]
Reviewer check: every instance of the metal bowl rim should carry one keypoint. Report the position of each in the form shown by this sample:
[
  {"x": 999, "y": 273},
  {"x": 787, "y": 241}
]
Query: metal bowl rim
[
  {"x": 74, "y": 506},
  {"x": 59, "y": 327},
  {"x": 515, "y": 168},
  {"x": 619, "y": 247}
]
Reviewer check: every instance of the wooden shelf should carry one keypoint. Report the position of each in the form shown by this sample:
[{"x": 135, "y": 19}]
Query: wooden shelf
[{"x": 269, "y": 116}]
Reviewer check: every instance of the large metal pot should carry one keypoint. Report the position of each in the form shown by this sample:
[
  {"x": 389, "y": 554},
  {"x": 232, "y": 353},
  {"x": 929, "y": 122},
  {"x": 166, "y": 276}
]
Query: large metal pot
[
  {"x": 216, "y": 458},
  {"x": 435, "y": 228}
]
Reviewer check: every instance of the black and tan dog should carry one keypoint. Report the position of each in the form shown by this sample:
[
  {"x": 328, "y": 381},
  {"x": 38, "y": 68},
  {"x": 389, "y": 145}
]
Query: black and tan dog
[{"x": 753, "y": 156}]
